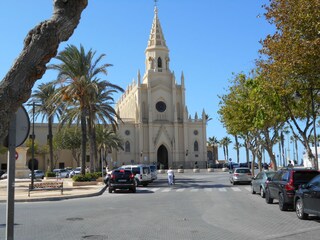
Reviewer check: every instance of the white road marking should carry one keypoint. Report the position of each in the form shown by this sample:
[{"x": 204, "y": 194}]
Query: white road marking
[
  {"x": 166, "y": 190},
  {"x": 236, "y": 189}
]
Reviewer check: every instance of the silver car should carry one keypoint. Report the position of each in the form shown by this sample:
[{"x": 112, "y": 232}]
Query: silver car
[
  {"x": 62, "y": 173},
  {"x": 240, "y": 175},
  {"x": 258, "y": 184}
]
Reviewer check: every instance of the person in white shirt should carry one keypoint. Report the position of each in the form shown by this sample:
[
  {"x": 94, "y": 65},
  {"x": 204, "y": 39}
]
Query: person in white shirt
[{"x": 170, "y": 176}]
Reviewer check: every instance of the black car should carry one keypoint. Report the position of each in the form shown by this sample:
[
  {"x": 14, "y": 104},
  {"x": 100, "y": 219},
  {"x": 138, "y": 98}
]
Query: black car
[
  {"x": 307, "y": 199},
  {"x": 284, "y": 184},
  {"x": 121, "y": 179}
]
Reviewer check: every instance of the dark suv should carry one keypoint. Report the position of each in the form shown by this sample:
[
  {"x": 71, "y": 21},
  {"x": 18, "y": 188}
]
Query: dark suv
[
  {"x": 284, "y": 184},
  {"x": 121, "y": 179}
]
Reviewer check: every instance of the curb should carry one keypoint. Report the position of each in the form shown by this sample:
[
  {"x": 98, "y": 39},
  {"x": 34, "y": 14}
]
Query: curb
[{"x": 60, "y": 198}]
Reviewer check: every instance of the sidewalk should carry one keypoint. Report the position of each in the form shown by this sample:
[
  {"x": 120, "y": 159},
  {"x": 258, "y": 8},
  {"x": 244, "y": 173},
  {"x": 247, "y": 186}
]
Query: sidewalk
[{"x": 69, "y": 192}]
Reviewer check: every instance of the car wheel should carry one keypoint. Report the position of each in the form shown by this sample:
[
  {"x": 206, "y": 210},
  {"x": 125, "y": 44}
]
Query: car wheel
[
  {"x": 252, "y": 190},
  {"x": 233, "y": 183},
  {"x": 282, "y": 205},
  {"x": 110, "y": 190},
  {"x": 300, "y": 210},
  {"x": 262, "y": 193},
  {"x": 133, "y": 189},
  {"x": 269, "y": 200}
]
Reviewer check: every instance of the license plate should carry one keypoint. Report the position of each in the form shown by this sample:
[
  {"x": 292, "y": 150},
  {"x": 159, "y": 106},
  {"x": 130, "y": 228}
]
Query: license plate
[{"x": 122, "y": 180}]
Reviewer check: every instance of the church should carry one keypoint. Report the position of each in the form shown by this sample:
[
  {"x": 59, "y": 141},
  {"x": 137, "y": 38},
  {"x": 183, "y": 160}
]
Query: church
[{"x": 156, "y": 126}]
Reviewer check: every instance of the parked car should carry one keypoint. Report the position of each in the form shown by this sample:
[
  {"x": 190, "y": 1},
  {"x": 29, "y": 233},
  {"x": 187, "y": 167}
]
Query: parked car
[
  {"x": 154, "y": 174},
  {"x": 37, "y": 174},
  {"x": 77, "y": 171},
  {"x": 284, "y": 184},
  {"x": 2, "y": 172},
  {"x": 121, "y": 179},
  {"x": 4, "y": 176},
  {"x": 240, "y": 175},
  {"x": 258, "y": 183},
  {"x": 307, "y": 199},
  {"x": 62, "y": 173},
  {"x": 142, "y": 173}
]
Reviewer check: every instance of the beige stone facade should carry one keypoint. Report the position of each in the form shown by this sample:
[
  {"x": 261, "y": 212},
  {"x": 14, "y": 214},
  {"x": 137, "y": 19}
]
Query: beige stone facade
[{"x": 156, "y": 127}]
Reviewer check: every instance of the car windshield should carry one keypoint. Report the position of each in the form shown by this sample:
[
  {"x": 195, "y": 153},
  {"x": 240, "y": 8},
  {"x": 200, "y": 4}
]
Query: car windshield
[
  {"x": 270, "y": 174},
  {"x": 242, "y": 170},
  {"x": 153, "y": 168},
  {"x": 136, "y": 170}
]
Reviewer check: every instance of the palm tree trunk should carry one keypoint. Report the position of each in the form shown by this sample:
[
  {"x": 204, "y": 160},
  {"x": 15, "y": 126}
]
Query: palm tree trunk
[
  {"x": 95, "y": 148},
  {"x": 91, "y": 143},
  {"x": 50, "y": 136},
  {"x": 83, "y": 141}
]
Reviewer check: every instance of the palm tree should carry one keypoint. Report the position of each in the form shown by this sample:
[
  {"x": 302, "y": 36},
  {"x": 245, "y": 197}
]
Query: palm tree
[
  {"x": 40, "y": 100},
  {"x": 237, "y": 147},
  {"x": 224, "y": 142},
  {"x": 101, "y": 111},
  {"x": 107, "y": 141},
  {"x": 213, "y": 141},
  {"x": 78, "y": 72}
]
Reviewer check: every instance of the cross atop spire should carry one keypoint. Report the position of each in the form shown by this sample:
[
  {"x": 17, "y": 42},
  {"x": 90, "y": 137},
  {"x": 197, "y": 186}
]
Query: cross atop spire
[{"x": 156, "y": 38}]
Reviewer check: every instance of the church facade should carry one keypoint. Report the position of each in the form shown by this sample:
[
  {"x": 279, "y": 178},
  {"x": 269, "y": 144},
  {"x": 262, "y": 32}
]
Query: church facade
[{"x": 156, "y": 126}]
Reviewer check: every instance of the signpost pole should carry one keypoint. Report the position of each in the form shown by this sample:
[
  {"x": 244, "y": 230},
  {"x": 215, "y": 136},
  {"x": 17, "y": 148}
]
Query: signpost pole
[{"x": 11, "y": 178}]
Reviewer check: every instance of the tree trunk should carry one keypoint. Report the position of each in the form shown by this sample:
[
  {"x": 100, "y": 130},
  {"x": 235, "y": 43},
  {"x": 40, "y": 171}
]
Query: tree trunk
[
  {"x": 50, "y": 137},
  {"x": 83, "y": 142},
  {"x": 40, "y": 45},
  {"x": 237, "y": 148}
]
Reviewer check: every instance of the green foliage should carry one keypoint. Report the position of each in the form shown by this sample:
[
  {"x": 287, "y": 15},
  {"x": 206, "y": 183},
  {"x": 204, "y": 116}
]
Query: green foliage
[
  {"x": 68, "y": 138},
  {"x": 50, "y": 174},
  {"x": 87, "y": 177}
]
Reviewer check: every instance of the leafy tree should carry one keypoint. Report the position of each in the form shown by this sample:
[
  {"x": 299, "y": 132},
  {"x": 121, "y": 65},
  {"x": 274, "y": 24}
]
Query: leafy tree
[
  {"x": 40, "y": 45},
  {"x": 69, "y": 138},
  {"x": 290, "y": 62}
]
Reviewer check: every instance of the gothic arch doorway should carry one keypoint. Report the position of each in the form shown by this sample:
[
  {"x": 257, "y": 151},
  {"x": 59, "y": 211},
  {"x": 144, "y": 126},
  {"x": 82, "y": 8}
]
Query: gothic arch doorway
[
  {"x": 35, "y": 162},
  {"x": 162, "y": 157}
]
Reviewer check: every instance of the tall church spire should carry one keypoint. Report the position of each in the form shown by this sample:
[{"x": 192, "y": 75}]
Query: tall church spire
[
  {"x": 156, "y": 38},
  {"x": 157, "y": 52}
]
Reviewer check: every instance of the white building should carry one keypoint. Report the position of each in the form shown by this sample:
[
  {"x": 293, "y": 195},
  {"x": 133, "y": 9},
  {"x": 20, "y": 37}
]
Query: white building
[
  {"x": 156, "y": 126},
  {"x": 306, "y": 161}
]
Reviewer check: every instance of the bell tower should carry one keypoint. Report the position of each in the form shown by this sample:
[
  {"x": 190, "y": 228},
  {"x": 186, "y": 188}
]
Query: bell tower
[{"x": 157, "y": 52}]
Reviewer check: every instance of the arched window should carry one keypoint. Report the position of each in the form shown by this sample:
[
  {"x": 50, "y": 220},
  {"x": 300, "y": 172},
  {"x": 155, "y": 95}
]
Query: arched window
[
  {"x": 195, "y": 146},
  {"x": 127, "y": 146},
  {"x": 159, "y": 62}
]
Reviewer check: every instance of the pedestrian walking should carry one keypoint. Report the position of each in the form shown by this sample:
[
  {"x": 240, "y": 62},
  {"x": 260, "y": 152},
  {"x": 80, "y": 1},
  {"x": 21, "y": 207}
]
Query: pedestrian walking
[
  {"x": 170, "y": 173},
  {"x": 290, "y": 165}
]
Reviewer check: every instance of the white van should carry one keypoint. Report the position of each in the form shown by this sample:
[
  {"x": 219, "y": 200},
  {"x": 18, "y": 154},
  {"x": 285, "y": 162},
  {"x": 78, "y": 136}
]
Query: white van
[{"x": 142, "y": 173}]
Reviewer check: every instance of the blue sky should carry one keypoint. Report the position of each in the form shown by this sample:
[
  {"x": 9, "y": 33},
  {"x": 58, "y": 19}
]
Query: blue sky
[{"x": 208, "y": 40}]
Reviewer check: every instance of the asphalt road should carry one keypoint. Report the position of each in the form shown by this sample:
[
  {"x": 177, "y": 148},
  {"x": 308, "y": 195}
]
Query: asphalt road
[{"x": 198, "y": 206}]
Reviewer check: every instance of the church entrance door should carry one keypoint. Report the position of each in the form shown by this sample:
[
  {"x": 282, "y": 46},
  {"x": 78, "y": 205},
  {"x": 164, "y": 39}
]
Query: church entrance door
[{"x": 162, "y": 157}]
